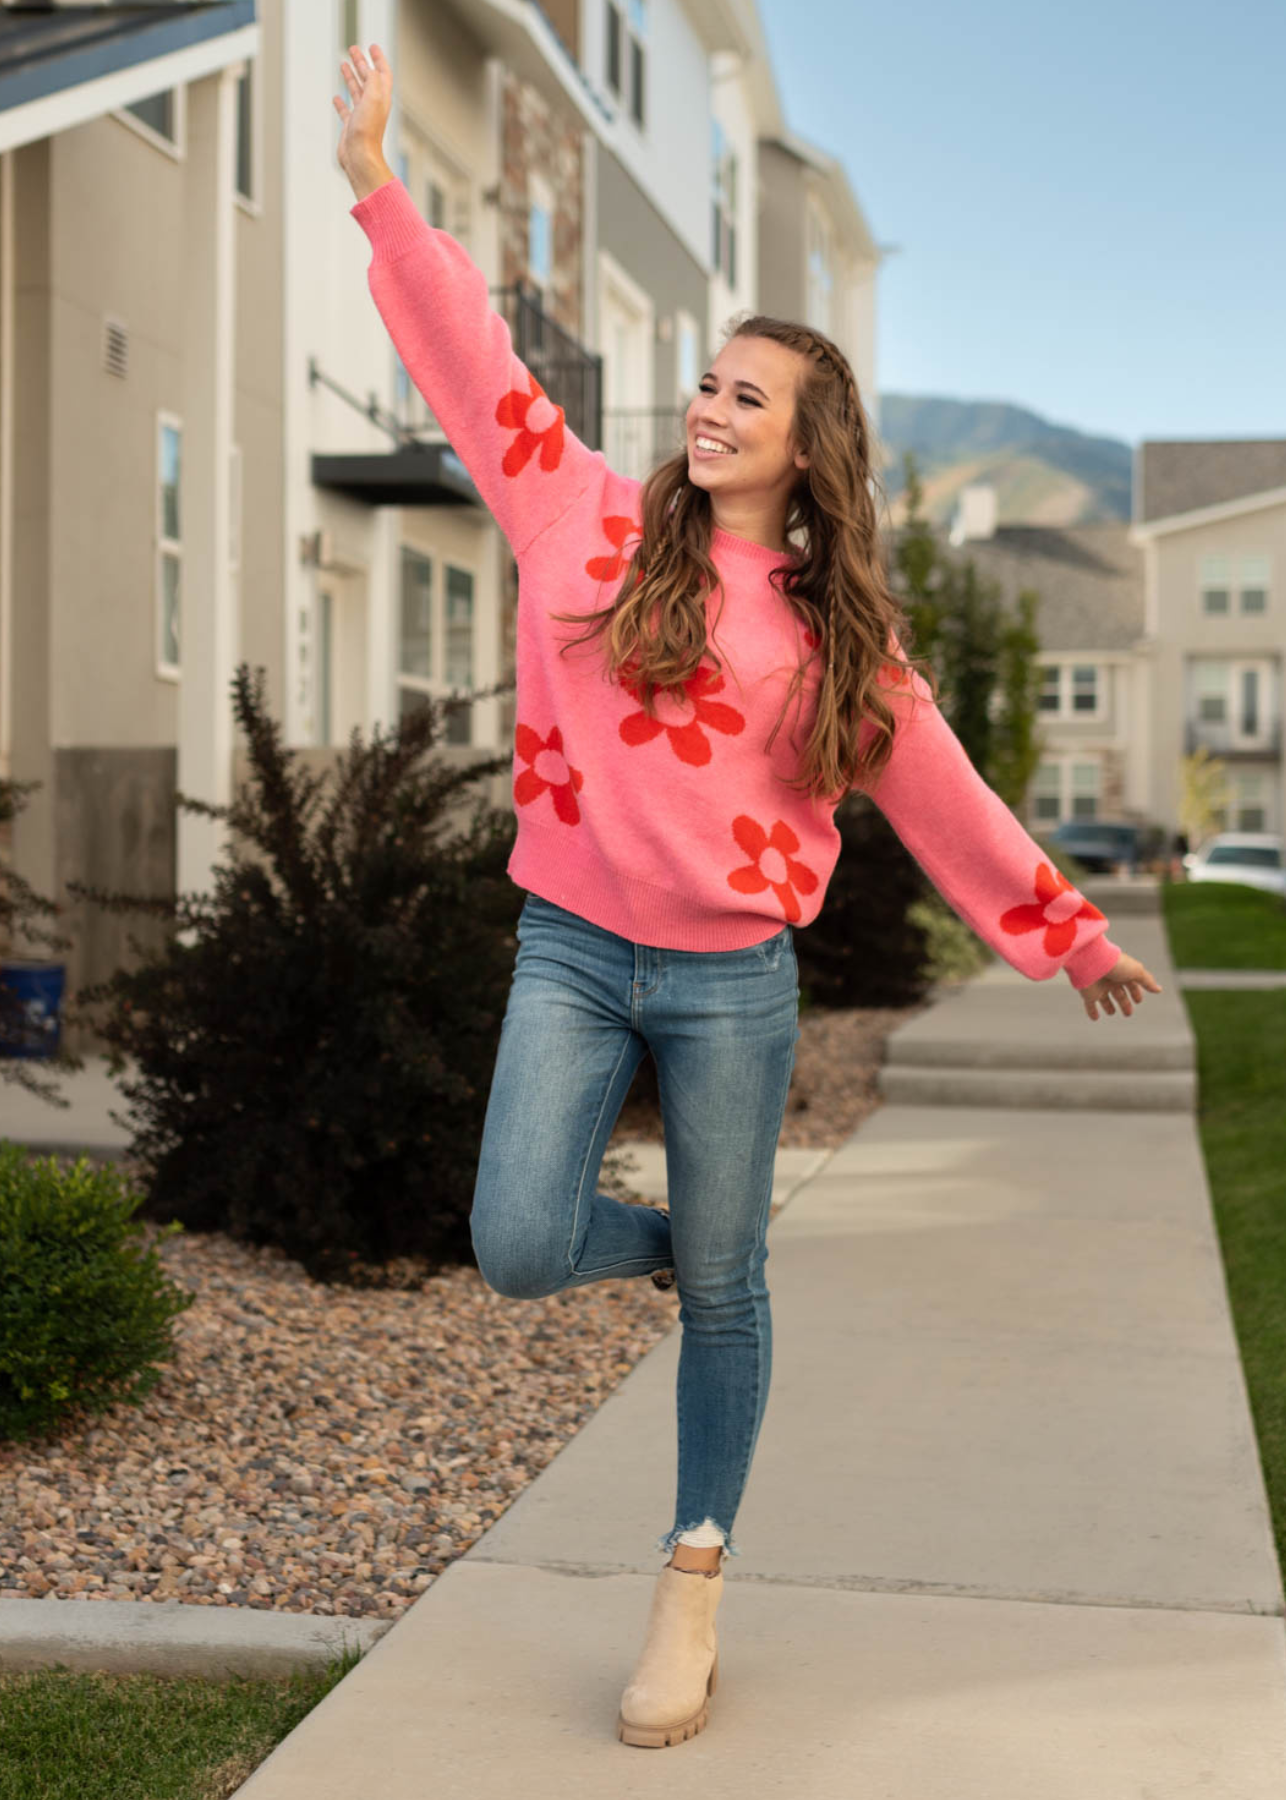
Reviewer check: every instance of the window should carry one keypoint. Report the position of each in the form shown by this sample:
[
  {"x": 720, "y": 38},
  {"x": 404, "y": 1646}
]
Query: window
[
  {"x": 723, "y": 251},
  {"x": 316, "y": 666},
  {"x": 614, "y": 27},
  {"x": 820, "y": 271},
  {"x": 1085, "y": 790},
  {"x": 1084, "y": 688},
  {"x": 1210, "y": 686},
  {"x": 434, "y": 659},
  {"x": 244, "y": 175},
  {"x": 627, "y": 40},
  {"x": 350, "y": 25},
  {"x": 1216, "y": 582},
  {"x": 157, "y": 110},
  {"x": 1047, "y": 792},
  {"x": 446, "y": 189},
  {"x": 1253, "y": 578},
  {"x": 687, "y": 375},
  {"x": 540, "y": 231},
  {"x": 169, "y": 545},
  {"x": 1082, "y": 684},
  {"x": 1066, "y": 788}
]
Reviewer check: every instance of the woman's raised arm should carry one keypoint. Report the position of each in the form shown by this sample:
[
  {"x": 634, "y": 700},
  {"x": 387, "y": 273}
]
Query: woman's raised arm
[
  {"x": 974, "y": 851},
  {"x": 457, "y": 349}
]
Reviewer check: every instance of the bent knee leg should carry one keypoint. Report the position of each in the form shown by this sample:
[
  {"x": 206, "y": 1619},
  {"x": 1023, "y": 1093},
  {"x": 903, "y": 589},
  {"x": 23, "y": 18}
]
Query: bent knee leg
[{"x": 521, "y": 1266}]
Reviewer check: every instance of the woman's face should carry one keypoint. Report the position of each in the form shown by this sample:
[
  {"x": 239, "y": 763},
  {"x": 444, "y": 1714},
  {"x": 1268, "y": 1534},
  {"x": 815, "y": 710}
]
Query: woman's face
[{"x": 746, "y": 402}]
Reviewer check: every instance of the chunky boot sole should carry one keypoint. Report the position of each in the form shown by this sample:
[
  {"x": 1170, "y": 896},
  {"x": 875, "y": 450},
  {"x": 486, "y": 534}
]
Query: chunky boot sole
[{"x": 658, "y": 1738}]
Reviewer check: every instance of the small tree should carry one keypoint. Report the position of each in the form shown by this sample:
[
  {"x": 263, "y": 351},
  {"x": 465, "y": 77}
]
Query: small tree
[
  {"x": 1203, "y": 793},
  {"x": 316, "y": 1041},
  {"x": 985, "y": 658}
]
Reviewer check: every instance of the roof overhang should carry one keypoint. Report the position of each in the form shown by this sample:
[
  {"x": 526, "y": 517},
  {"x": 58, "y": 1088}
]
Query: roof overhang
[
  {"x": 65, "y": 66},
  {"x": 839, "y": 193},
  {"x": 518, "y": 32},
  {"x": 1142, "y": 532},
  {"x": 720, "y": 26},
  {"x": 414, "y": 475}
]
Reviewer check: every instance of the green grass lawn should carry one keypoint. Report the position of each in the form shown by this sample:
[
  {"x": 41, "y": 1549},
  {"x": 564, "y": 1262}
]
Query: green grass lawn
[
  {"x": 1224, "y": 925},
  {"x": 1241, "y": 1062},
  {"x": 66, "y": 1735}
]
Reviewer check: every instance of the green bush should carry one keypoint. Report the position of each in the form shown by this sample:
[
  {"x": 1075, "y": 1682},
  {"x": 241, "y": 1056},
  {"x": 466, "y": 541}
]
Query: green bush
[
  {"x": 85, "y": 1309},
  {"x": 866, "y": 947},
  {"x": 315, "y": 1046}
]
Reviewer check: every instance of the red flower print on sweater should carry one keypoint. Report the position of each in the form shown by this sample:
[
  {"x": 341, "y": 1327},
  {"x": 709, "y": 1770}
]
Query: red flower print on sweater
[
  {"x": 771, "y": 864},
  {"x": 685, "y": 729},
  {"x": 537, "y": 420},
  {"x": 1055, "y": 911},
  {"x": 615, "y": 529},
  {"x": 547, "y": 768}
]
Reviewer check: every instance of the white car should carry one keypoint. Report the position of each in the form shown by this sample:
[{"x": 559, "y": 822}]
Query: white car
[{"x": 1253, "y": 857}]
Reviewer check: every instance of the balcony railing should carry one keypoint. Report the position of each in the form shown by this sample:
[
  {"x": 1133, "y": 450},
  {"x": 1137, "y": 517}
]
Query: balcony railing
[
  {"x": 637, "y": 438},
  {"x": 570, "y": 374},
  {"x": 1217, "y": 736}
]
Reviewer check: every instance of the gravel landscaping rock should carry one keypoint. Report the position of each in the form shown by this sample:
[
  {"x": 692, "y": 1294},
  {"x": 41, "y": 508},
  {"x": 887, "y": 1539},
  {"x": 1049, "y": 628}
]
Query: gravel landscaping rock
[{"x": 332, "y": 1450}]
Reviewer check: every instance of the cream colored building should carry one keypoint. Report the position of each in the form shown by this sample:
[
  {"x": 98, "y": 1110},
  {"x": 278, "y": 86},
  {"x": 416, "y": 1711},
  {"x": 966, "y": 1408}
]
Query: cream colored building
[
  {"x": 210, "y": 452},
  {"x": 1210, "y": 522}
]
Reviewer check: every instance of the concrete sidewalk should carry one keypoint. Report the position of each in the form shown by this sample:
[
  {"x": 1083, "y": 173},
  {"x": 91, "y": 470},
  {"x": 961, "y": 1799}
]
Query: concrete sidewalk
[{"x": 1005, "y": 1537}]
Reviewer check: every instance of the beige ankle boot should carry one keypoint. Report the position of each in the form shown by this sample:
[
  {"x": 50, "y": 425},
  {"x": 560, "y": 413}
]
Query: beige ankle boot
[{"x": 668, "y": 1696}]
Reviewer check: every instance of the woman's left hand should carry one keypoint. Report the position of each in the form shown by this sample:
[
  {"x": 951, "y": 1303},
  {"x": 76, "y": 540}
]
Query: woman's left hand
[{"x": 1125, "y": 979}]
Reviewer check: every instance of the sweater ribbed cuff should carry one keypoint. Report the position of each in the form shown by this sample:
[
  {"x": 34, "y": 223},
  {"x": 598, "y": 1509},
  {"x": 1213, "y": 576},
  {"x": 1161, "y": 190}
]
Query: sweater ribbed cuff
[
  {"x": 1089, "y": 965},
  {"x": 388, "y": 217}
]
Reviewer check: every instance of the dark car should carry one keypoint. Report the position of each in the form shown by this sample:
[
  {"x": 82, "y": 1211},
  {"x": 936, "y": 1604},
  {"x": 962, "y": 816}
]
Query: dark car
[{"x": 1100, "y": 844}]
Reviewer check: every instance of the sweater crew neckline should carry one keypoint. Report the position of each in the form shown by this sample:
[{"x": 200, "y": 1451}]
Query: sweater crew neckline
[{"x": 728, "y": 544}]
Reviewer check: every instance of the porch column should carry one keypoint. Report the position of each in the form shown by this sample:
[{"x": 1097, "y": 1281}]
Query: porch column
[{"x": 208, "y": 628}]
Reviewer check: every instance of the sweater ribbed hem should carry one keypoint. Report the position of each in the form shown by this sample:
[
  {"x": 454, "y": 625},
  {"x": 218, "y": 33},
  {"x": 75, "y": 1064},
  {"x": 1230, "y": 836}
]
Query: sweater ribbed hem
[
  {"x": 1088, "y": 965},
  {"x": 632, "y": 909}
]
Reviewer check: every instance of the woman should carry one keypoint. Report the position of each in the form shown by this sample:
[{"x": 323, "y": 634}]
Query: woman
[{"x": 670, "y": 837}]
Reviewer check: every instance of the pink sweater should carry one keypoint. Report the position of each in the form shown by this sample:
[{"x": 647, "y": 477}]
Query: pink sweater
[{"x": 678, "y": 831}]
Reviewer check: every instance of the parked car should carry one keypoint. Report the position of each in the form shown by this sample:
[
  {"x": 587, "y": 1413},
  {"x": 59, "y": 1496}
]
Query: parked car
[
  {"x": 1253, "y": 857},
  {"x": 1101, "y": 844}
]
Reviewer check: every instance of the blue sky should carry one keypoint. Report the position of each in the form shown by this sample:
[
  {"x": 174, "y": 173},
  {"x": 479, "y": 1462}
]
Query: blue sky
[{"x": 1090, "y": 200}]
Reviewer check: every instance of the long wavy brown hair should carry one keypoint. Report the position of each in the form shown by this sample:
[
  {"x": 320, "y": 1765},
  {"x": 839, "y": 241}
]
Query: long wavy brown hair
[{"x": 655, "y": 627}]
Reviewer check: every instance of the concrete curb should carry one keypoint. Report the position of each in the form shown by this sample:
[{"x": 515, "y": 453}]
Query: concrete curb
[{"x": 173, "y": 1637}]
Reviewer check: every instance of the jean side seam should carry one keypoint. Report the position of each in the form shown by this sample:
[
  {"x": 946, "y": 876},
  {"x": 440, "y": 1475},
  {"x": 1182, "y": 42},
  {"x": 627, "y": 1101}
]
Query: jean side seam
[{"x": 580, "y": 1186}]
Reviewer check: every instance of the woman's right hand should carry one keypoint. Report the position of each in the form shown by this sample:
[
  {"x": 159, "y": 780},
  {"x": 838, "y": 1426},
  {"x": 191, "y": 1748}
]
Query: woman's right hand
[{"x": 361, "y": 143}]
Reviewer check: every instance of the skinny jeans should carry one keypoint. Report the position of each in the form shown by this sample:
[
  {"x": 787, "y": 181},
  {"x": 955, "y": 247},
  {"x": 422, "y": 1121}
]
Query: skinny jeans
[{"x": 584, "y": 1006}]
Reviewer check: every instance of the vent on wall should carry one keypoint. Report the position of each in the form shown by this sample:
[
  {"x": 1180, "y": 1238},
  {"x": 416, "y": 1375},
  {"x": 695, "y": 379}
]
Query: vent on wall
[{"x": 116, "y": 347}]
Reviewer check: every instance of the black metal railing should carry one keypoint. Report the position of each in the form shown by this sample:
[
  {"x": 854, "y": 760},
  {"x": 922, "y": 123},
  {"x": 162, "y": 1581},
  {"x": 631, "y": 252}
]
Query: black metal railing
[
  {"x": 570, "y": 374},
  {"x": 1217, "y": 737},
  {"x": 636, "y": 438}
]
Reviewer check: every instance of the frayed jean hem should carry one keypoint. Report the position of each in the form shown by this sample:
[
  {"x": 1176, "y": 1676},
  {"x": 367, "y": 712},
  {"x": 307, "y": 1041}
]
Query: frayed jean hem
[{"x": 671, "y": 1538}]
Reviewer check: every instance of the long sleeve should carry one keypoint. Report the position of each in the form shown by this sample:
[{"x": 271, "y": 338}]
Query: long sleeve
[
  {"x": 458, "y": 350},
  {"x": 975, "y": 852}
]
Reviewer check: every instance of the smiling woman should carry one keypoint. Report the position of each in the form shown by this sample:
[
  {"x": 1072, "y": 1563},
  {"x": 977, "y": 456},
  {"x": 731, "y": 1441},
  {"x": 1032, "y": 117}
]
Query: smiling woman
[{"x": 671, "y": 836}]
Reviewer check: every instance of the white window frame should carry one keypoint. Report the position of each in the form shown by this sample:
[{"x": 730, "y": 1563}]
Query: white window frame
[
  {"x": 166, "y": 548},
  {"x": 687, "y": 332},
  {"x": 435, "y": 685},
  {"x": 1065, "y": 689},
  {"x": 632, "y": 33},
  {"x": 175, "y": 147},
  {"x": 425, "y": 166},
  {"x": 540, "y": 199},
  {"x": 820, "y": 236},
  {"x": 1070, "y": 764},
  {"x": 1254, "y": 576}
]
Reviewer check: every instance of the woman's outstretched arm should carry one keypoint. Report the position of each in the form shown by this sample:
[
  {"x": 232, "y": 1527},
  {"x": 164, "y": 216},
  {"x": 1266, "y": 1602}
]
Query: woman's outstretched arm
[
  {"x": 974, "y": 851},
  {"x": 524, "y": 460}
]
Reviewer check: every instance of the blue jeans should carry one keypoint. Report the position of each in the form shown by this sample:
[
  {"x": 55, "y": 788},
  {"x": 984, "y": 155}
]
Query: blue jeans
[{"x": 584, "y": 1007}]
